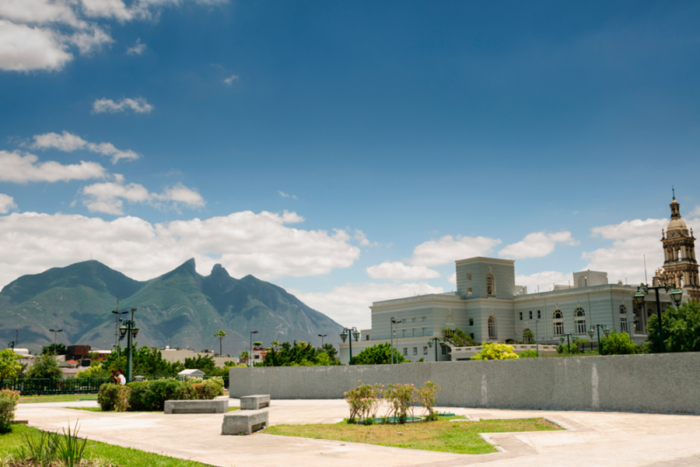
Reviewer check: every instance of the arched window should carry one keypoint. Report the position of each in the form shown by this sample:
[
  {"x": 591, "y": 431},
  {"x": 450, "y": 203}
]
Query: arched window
[
  {"x": 558, "y": 319},
  {"x": 492, "y": 327},
  {"x": 490, "y": 285},
  {"x": 580, "y": 318},
  {"x": 623, "y": 319}
]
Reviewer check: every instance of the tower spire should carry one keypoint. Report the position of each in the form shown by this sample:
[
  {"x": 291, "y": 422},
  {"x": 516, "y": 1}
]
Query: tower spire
[{"x": 674, "y": 191}]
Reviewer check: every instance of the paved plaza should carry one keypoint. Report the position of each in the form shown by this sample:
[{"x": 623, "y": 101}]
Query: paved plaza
[{"x": 591, "y": 439}]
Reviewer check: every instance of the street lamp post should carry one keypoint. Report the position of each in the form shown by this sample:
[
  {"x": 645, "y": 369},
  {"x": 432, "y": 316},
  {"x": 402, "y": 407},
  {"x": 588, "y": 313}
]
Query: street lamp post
[
  {"x": 129, "y": 330},
  {"x": 350, "y": 332},
  {"x": 568, "y": 344},
  {"x": 676, "y": 296},
  {"x": 598, "y": 327},
  {"x": 430, "y": 344},
  {"x": 55, "y": 333},
  {"x": 537, "y": 342},
  {"x": 391, "y": 327},
  {"x": 11, "y": 345},
  {"x": 250, "y": 355},
  {"x": 322, "y": 336}
]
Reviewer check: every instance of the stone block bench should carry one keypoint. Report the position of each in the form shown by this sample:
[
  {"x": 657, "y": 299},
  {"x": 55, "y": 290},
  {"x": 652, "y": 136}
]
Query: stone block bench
[
  {"x": 255, "y": 402},
  {"x": 244, "y": 423},
  {"x": 206, "y": 406}
]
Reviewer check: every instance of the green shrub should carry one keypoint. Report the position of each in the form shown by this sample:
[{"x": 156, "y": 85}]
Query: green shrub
[
  {"x": 8, "y": 404},
  {"x": 379, "y": 354},
  {"x": 528, "y": 354},
  {"x": 107, "y": 397},
  {"x": 618, "y": 343},
  {"x": 151, "y": 395},
  {"x": 207, "y": 390},
  {"x": 139, "y": 397}
]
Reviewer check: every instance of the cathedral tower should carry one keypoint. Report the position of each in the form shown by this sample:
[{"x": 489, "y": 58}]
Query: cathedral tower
[{"x": 680, "y": 265}]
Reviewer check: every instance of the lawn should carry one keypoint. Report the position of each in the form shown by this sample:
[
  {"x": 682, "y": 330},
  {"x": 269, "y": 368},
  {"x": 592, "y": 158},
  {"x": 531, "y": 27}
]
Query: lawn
[
  {"x": 97, "y": 409},
  {"x": 442, "y": 435},
  {"x": 118, "y": 455},
  {"x": 57, "y": 398}
]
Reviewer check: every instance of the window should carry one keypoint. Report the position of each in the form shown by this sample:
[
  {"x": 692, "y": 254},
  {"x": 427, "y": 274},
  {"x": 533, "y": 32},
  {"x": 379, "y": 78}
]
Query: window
[
  {"x": 581, "y": 281},
  {"x": 425, "y": 350},
  {"x": 471, "y": 334},
  {"x": 423, "y": 319},
  {"x": 444, "y": 350},
  {"x": 424, "y": 331},
  {"x": 521, "y": 316},
  {"x": 415, "y": 350},
  {"x": 530, "y": 312},
  {"x": 405, "y": 352},
  {"x": 469, "y": 276},
  {"x": 471, "y": 321},
  {"x": 623, "y": 319},
  {"x": 367, "y": 337},
  {"x": 580, "y": 318},
  {"x": 414, "y": 332},
  {"x": 490, "y": 285},
  {"x": 492, "y": 327},
  {"x": 413, "y": 320},
  {"x": 403, "y": 321},
  {"x": 623, "y": 309},
  {"x": 404, "y": 333},
  {"x": 539, "y": 314},
  {"x": 558, "y": 320},
  {"x": 469, "y": 291}
]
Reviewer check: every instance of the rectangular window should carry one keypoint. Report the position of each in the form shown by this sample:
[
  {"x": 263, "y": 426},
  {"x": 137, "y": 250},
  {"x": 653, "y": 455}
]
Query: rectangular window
[
  {"x": 444, "y": 350},
  {"x": 424, "y": 330},
  {"x": 405, "y": 352},
  {"x": 415, "y": 350},
  {"x": 623, "y": 325},
  {"x": 404, "y": 333},
  {"x": 423, "y": 319},
  {"x": 539, "y": 314},
  {"x": 414, "y": 332},
  {"x": 471, "y": 321},
  {"x": 404, "y": 321},
  {"x": 471, "y": 334},
  {"x": 530, "y": 314},
  {"x": 414, "y": 320},
  {"x": 581, "y": 327},
  {"x": 521, "y": 316},
  {"x": 367, "y": 337},
  {"x": 469, "y": 276},
  {"x": 558, "y": 329},
  {"x": 469, "y": 291},
  {"x": 425, "y": 350}
]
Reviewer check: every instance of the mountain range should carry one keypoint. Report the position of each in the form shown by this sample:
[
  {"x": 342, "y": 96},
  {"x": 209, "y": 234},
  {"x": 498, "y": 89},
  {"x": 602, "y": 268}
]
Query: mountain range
[{"x": 181, "y": 308}]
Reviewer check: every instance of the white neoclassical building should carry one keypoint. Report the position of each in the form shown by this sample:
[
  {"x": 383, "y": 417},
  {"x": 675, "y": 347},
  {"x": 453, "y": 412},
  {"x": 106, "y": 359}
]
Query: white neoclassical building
[{"x": 490, "y": 307}]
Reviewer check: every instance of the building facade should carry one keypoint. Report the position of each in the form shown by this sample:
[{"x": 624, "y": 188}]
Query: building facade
[{"x": 490, "y": 307}]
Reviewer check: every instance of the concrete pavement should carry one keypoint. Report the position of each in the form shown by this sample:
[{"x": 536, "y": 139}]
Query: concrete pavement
[{"x": 591, "y": 438}]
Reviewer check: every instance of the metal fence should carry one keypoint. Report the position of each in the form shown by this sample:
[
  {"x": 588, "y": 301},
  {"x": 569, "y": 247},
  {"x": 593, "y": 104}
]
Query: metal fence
[
  {"x": 39, "y": 386},
  {"x": 584, "y": 346}
]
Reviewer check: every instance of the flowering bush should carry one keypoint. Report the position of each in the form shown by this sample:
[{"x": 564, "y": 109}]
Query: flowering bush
[
  {"x": 364, "y": 401},
  {"x": 495, "y": 352},
  {"x": 8, "y": 404},
  {"x": 401, "y": 398},
  {"x": 427, "y": 396}
]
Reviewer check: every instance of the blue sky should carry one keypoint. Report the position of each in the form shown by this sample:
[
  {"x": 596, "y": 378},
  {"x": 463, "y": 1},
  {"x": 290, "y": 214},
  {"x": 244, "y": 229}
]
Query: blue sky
[{"x": 404, "y": 135}]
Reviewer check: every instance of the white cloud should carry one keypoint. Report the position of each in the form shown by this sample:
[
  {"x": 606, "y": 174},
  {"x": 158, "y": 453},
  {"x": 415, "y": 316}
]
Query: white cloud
[
  {"x": 398, "y": 271},
  {"x": 109, "y": 197},
  {"x": 138, "y": 105},
  {"x": 349, "y": 304},
  {"x": 25, "y": 48},
  {"x": 231, "y": 79},
  {"x": 448, "y": 249},
  {"x": 536, "y": 245},
  {"x": 544, "y": 280},
  {"x": 19, "y": 168},
  {"x": 6, "y": 203},
  {"x": 137, "y": 49},
  {"x": 39, "y": 12},
  {"x": 360, "y": 236},
  {"x": 69, "y": 142},
  {"x": 285, "y": 195},
  {"x": 89, "y": 40},
  {"x": 452, "y": 279},
  {"x": 695, "y": 212},
  {"x": 244, "y": 243}
]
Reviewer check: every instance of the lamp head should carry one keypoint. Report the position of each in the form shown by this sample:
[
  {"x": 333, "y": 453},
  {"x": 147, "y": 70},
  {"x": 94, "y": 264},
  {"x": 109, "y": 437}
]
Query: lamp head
[
  {"x": 677, "y": 296},
  {"x": 134, "y": 331},
  {"x": 122, "y": 330},
  {"x": 606, "y": 331},
  {"x": 343, "y": 335},
  {"x": 591, "y": 332},
  {"x": 639, "y": 298},
  {"x": 561, "y": 339},
  {"x": 430, "y": 344},
  {"x": 356, "y": 335}
]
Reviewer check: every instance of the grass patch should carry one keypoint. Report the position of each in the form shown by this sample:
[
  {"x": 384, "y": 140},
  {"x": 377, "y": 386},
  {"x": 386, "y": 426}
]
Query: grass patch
[
  {"x": 57, "y": 398},
  {"x": 441, "y": 435},
  {"x": 97, "y": 409},
  {"x": 118, "y": 455}
]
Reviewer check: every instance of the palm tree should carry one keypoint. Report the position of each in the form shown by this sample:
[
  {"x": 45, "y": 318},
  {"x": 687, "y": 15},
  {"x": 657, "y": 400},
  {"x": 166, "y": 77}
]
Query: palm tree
[
  {"x": 220, "y": 334},
  {"x": 275, "y": 344},
  {"x": 243, "y": 355}
]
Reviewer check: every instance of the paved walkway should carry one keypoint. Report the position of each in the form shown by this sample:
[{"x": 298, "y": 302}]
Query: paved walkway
[{"x": 592, "y": 438}]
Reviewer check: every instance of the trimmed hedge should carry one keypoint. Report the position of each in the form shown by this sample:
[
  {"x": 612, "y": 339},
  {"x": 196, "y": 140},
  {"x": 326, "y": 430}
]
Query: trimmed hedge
[{"x": 150, "y": 396}]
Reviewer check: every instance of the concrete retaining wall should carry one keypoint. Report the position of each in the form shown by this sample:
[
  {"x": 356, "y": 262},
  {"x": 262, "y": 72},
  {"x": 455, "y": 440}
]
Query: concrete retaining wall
[{"x": 668, "y": 383}]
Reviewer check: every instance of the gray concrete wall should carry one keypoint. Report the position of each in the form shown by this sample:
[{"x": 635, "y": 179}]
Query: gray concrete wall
[{"x": 668, "y": 383}]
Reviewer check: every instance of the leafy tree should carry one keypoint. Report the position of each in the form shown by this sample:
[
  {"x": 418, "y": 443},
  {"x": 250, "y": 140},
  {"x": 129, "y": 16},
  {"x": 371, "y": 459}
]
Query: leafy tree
[
  {"x": 45, "y": 366},
  {"x": 495, "y": 352},
  {"x": 618, "y": 343},
  {"x": 681, "y": 329},
  {"x": 529, "y": 336},
  {"x": 275, "y": 344},
  {"x": 379, "y": 354},
  {"x": 148, "y": 361},
  {"x": 93, "y": 371},
  {"x": 54, "y": 349},
  {"x": 9, "y": 364},
  {"x": 330, "y": 350},
  {"x": 296, "y": 355},
  {"x": 220, "y": 334},
  {"x": 257, "y": 344},
  {"x": 201, "y": 362}
]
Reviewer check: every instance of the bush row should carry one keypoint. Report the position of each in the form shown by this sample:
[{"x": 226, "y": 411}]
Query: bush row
[{"x": 141, "y": 396}]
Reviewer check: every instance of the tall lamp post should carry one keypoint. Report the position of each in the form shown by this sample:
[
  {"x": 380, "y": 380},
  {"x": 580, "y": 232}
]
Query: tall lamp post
[
  {"x": 537, "y": 342},
  {"x": 598, "y": 327},
  {"x": 250, "y": 355},
  {"x": 568, "y": 344},
  {"x": 55, "y": 333},
  {"x": 11, "y": 345},
  {"x": 129, "y": 330},
  {"x": 391, "y": 326},
  {"x": 430, "y": 344},
  {"x": 322, "y": 336},
  {"x": 350, "y": 332},
  {"x": 676, "y": 296},
  {"x": 116, "y": 328}
]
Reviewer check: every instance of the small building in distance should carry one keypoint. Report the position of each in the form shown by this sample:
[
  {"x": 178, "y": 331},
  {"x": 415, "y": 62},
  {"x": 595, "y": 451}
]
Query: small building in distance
[
  {"x": 191, "y": 374},
  {"x": 179, "y": 355}
]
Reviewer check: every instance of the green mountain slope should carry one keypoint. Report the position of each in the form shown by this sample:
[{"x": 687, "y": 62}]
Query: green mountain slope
[{"x": 181, "y": 308}]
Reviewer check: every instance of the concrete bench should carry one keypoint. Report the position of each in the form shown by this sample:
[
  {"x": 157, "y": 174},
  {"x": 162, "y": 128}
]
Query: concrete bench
[
  {"x": 255, "y": 402},
  {"x": 207, "y": 406},
  {"x": 244, "y": 423}
]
